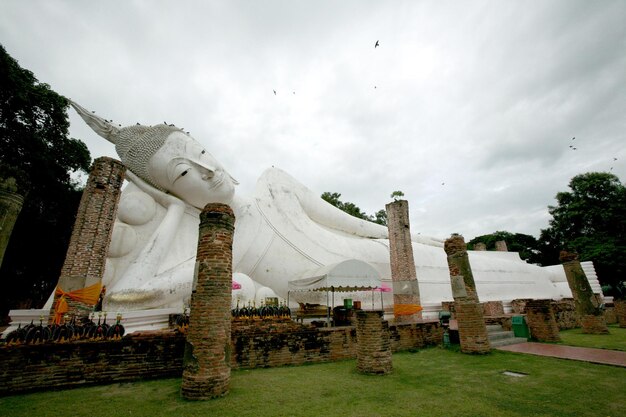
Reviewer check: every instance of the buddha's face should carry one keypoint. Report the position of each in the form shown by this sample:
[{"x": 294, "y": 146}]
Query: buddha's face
[{"x": 185, "y": 169}]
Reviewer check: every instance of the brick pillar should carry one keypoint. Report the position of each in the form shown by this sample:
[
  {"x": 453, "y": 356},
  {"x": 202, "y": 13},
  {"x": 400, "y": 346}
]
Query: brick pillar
[
  {"x": 406, "y": 294},
  {"x": 519, "y": 305},
  {"x": 468, "y": 310},
  {"x": 91, "y": 236},
  {"x": 373, "y": 351},
  {"x": 206, "y": 364},
  {"x": 493, "y": 308},
  {"x": 10, "y": 206},
  {"x": 501, "y": 246},
  {"x": 620, "y": 312},
  {"x": 541, "y": 321},
  {"x": 587, "y": 305},
  {"x": 480, "y": 247}
]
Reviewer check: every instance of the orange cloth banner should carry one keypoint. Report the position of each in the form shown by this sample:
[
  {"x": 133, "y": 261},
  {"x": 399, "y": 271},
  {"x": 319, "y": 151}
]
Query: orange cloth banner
[
  {"x": 406, "y": 309},
  {"x": 88, "y": 295}
]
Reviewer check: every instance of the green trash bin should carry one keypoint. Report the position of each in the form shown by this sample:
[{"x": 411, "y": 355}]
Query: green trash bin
[{"x": 520, "y": 328}]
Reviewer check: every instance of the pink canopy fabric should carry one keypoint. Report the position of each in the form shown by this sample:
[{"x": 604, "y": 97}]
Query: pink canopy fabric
[{"x": 383, "y": 288}]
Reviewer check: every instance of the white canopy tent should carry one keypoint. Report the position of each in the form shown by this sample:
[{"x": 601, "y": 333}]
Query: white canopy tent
[{"x": 347, "y": 276}]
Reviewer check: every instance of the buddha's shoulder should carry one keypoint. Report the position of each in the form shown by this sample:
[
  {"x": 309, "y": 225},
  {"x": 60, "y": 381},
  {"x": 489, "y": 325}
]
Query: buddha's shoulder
[
  {"x": 276, "y": 181},
  {"x": 275, "y": 174}
]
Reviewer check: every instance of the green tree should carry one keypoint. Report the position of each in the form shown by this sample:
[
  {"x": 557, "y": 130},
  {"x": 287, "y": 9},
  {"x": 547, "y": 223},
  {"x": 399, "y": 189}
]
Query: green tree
[
  {"x": 591, "y": 220},
  {"x": 396, "y": 195},
  {"x": 36, "y": 150},
  {"x": 352, "y": 209},
  {"x": 380, "y": 217},
  {"x": 526, "y": 245}
]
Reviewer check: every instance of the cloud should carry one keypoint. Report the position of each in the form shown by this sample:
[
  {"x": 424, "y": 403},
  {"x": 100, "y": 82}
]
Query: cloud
[{"x": 481, "y": 96}]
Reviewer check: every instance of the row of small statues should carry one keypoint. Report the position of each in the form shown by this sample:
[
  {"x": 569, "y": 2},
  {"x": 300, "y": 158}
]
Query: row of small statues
[
  {"x": 249, "y": 312},
  {"x": 84, "y": 328},
  {"x": 264, "y": 312}
]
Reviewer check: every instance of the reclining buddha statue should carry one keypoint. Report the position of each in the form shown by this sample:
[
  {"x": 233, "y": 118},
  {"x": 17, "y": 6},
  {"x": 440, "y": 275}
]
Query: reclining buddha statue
[{"x": 283, "y": 231}]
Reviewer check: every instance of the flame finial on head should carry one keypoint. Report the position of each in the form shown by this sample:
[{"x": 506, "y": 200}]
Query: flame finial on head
[
  {"x": 97, "y": 123},
  {"x": 135, "y": 145}
]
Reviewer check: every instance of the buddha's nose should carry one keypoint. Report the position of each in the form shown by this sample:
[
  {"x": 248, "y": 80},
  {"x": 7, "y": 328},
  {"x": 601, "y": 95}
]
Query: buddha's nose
[{"x": 209, "y": 170}]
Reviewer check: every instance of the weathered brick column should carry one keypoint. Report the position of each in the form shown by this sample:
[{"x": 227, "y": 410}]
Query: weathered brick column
[
  {"x": 501, "y": 246},
  {"x": 493, "y": 308},
  {"x": 373, "y": 352},
  {"x": 406, "y": 294},
  {"x": 206, "y": 365},
  {"x": 10, "y": 206},
  {"x": 620, "y": 312},
  {"x": 587, "y": 305},
  {"x": 541, "y": 321},
  {"x": 91, "y": 236},
  {"x": 468, "y": 310},
  {"x": 480, "y": 247}
]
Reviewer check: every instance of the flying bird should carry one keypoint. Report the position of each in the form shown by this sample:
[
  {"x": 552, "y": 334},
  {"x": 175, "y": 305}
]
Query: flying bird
[
  {"x": 615, "y": 159},
  {"x": 376, "y": 45},
  {"x": 274, "y": 92},
  {"x": 574, "y": 138}
]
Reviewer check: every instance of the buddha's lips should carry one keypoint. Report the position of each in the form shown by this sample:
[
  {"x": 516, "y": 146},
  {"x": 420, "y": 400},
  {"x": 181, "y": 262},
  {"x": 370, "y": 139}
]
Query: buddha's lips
[{"x": 216, "y": 183}]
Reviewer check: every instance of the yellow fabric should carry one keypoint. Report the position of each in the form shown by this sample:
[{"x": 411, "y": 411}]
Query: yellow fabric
[
  {"x": 406, "y": 309},
  {"x": 88, "y": 295}
]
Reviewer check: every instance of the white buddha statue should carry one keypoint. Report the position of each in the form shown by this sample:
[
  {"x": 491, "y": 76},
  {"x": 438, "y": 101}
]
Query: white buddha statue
[{"x": 281, "y": 232}]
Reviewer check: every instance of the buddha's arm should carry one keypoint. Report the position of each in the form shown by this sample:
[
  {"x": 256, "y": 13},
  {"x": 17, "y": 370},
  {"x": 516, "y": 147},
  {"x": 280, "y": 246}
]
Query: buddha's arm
[
  {"x": 330, "y": 216},
  {"x": 324, "y": 213},
  {"x": 146, "y": 265},
  {"x": 276, "y": 185}
]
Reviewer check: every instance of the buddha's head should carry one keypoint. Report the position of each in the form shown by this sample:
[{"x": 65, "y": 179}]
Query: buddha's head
[{"x": 168, "y": 159}]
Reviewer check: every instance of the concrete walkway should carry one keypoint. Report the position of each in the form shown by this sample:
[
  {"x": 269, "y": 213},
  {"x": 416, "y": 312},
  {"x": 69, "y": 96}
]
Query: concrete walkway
[{"x": 603, "y": 356}]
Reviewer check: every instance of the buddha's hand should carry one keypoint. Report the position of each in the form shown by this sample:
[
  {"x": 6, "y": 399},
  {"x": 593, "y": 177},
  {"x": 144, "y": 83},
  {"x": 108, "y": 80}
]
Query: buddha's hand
[{"x": 164, "y": 199}]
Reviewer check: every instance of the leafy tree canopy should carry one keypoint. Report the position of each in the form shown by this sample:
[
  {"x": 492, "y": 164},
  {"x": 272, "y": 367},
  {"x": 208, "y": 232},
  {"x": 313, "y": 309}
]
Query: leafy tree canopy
[
  {"x": 526, "y": 245},
  {"x": 36, "y": 150},
  {"x": 352, "y": 209},
  {"x": 396, "y": 195},
  {"x": 34, "y": 126},
  {"x": 591, "y": 220}
]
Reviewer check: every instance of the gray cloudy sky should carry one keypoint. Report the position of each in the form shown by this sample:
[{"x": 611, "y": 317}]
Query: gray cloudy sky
[{"x": 468, "y": 107}]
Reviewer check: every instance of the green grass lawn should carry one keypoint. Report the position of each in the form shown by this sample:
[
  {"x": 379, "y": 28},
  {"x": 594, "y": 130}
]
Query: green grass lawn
[
  {"x": 616, "y": 340},
  {"x": 430, "y": 382}
]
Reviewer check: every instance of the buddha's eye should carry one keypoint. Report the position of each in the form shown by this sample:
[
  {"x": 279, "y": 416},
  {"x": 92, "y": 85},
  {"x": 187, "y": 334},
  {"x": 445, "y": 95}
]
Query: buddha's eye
[{"x": 179, "y": 171}]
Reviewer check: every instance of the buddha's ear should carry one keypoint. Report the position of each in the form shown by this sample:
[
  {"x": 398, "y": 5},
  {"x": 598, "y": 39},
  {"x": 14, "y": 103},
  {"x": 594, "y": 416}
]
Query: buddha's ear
[{"x": 99, "y": 125}]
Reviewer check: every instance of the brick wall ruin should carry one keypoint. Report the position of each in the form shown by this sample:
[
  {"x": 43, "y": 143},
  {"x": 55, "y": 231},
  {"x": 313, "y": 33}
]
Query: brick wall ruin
[
  {"x": 541, "y": 321},
  {"x": 145, "y": 355}
]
